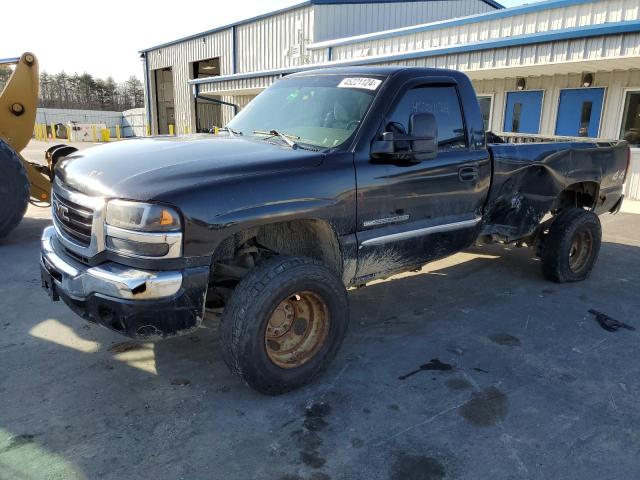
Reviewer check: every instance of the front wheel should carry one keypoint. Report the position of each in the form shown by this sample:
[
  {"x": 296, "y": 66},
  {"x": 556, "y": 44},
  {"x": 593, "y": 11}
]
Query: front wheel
[
  {"x": 571, "y": 248},
  {"x": 284, "y": 323}
]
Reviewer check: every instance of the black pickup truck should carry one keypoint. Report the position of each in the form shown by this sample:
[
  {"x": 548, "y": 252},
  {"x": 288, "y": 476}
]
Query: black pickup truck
[{"x": 328, "y": 179}]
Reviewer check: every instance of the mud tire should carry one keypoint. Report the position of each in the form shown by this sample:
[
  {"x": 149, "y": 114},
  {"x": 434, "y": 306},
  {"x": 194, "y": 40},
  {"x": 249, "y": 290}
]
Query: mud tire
[
  {"x": 14, "y": 189},
  {"x": 246, "y": 316},
  {"x": 558, "y": 246}
]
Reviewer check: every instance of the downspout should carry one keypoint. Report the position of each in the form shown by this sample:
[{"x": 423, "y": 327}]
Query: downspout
[
  {"x": 147, "y": 87},
  {"x": 196, "y": 94},
  {"x": 234, "y": 53}
]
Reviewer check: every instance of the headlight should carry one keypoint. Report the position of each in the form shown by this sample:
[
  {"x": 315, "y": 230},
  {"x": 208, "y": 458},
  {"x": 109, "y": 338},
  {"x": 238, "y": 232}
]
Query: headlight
[
  {"x": 142, "y": 217},
  {"x": 143, "y": 230}
]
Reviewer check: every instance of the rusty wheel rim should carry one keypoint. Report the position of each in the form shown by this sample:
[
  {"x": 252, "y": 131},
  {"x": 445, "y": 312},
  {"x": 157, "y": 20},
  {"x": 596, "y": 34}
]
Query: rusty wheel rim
[
  {"x": 296, "y": 330},
  {"x": 580, "y": 251}
]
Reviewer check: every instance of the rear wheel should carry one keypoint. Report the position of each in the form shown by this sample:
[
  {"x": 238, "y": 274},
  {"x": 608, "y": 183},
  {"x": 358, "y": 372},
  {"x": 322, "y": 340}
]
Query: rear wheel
[
  {"x": 14, "y": 189},
  {"x": 284, "y": 323},
  {"x": 571, "y": 247}
]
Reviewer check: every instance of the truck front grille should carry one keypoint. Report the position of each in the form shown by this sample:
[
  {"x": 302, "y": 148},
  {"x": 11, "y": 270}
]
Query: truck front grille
[{"x": 74, "y": 220}]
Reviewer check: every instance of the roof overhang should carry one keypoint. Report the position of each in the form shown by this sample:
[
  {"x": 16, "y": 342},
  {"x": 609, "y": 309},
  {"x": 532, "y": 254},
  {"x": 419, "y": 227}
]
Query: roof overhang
[
  {"x": 563, "y": 68},
  {"x": 519, "y": 40}
]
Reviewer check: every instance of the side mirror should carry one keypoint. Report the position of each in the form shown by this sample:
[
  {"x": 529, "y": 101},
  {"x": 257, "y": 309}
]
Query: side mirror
[
  {"x": 423, "y": 128},
  {"x": 420, "y": 144}
]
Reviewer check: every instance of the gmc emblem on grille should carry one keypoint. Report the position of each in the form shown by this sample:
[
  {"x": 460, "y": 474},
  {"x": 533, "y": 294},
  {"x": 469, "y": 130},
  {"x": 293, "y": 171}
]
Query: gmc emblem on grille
[{"x": 62, "y": 212}]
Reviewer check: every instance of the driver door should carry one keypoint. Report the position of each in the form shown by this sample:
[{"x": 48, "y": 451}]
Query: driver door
[{"x": 411, "y": 213}]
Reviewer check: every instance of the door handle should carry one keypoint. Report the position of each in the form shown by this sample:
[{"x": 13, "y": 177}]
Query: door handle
[{"x": 468, "y": 174}]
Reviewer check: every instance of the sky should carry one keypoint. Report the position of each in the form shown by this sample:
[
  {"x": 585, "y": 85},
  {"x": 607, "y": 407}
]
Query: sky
[{"x": 93, "y": 37}]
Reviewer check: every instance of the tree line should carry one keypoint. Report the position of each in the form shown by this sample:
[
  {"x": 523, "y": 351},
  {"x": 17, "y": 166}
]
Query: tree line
[
  {"x": 85, "y": 92},
  {"x": 88, "y": 93}
]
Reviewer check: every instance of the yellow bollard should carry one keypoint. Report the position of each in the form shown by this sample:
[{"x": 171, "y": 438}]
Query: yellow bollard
[
  {"x": 93, "y": 133},
  {"x": 68, "y": 133},
  {"x": 53, "y": 131},
  {"x": 171, "y": 130},
  {"x": 105, "y": 134},
  {"x": 44, "y": 132},
  {"x": 148, "y": 130},
  {"x": 118, "y": 132}
]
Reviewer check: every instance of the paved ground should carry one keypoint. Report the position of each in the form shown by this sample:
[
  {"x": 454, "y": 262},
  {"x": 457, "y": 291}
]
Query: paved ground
[{"x": 474, "y": 368}]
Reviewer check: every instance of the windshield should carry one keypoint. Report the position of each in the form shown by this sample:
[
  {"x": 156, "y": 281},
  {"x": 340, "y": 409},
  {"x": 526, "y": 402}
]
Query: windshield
[{"x": 322, "y": 111}]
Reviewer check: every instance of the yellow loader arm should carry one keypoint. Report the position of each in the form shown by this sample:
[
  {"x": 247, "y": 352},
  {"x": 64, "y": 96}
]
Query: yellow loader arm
[{"x": 18, "y": 103}]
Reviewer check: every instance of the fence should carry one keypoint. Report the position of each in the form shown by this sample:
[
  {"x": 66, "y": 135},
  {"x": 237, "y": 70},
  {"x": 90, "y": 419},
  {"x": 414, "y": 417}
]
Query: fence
[{"x": 53, "y": 122}]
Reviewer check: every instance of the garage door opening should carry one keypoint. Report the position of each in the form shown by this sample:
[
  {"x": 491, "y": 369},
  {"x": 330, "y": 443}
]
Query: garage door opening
[
  {"x": 166, "y": 117},
  {"x": 208, "y": 115}
]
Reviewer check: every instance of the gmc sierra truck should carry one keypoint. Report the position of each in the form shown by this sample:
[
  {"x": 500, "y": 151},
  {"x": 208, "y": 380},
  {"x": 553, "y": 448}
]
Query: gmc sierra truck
[{"x": 328, "y": 179}]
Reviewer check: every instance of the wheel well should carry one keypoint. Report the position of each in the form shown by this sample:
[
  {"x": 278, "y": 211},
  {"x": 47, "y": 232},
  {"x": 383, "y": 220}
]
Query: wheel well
[
  {"x": 581, "y": 195},
  {"x": 237, "y": 254}
]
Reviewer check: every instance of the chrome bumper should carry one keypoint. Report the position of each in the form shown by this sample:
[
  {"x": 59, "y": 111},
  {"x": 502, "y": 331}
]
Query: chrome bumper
[{"x": 79, "y": 281}]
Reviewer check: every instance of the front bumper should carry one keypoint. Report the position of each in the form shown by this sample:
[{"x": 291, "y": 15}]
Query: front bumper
[{"x": 137, "y": 303}]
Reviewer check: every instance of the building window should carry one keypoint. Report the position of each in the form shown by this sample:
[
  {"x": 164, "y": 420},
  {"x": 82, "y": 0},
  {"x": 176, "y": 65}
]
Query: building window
[
  {"x": 585, "y": 119},
  {"x": 486, "y": 106},
  {"x": 631, "y": 119},
  {"x": 206, "y": 68},
  {"x": 517, "y": 112}
]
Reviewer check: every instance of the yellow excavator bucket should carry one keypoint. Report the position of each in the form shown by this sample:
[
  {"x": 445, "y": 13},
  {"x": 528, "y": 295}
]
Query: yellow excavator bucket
[{"x": 18, "y": 104}]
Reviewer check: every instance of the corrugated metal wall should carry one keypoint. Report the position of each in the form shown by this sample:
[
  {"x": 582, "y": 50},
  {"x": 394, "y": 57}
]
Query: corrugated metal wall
[
  {"x": 531, "y": 23},
  {"x": 632, "y": 185},
  {"x": 338, "y": 21},
  {"x": 260, "y": 45},
  {"x": 179, "y": 57},
  {"x": 263, "y": 44},
  {"x": 134, "y": 123}
]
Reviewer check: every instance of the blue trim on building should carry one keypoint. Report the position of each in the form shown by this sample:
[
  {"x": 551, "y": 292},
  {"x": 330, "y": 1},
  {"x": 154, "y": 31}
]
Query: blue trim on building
[
  {"x": 351, "y": 2},
  {"x": 504, "y": 13},
  {"x": 284, "y": 10},
  {"x": 519, "y": 40},
  {"x": 6, "y": 61}
]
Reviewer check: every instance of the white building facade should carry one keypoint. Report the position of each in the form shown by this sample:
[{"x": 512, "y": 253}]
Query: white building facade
[{"x": 568, "y": 68}]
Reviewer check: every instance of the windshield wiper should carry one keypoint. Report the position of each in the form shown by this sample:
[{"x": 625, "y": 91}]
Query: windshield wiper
[
  {"x": 286, "y": 138},
  {"x": 231, "y": 131}
]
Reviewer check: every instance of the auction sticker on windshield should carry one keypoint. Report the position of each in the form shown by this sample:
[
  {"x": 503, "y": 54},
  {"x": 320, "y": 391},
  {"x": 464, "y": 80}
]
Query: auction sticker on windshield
[{"x": 360, "y": 82}]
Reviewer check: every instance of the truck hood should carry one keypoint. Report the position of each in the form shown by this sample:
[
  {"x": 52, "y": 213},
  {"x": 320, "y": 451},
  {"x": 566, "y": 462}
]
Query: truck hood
[{"x": 149, "y": 168}]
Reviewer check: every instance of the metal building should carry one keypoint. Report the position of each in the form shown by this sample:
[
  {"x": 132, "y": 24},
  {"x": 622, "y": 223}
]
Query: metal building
[
  {"x": 269, "y": 42},
  {"x": 566, "y": 68}
]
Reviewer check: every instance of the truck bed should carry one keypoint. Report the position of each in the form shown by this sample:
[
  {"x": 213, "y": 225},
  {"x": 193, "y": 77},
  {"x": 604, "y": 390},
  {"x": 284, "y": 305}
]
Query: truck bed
[{"x": 529, "y": 178}]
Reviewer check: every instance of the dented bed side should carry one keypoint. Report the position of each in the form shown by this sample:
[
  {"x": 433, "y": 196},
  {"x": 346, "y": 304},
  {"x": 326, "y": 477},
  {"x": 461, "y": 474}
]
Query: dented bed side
[{"x": 529, "y": 181}]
